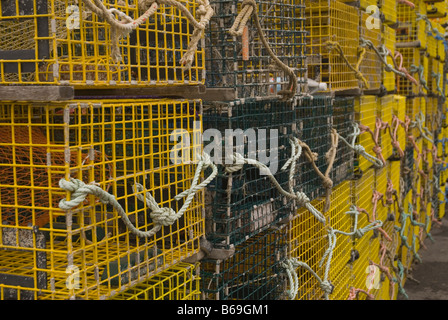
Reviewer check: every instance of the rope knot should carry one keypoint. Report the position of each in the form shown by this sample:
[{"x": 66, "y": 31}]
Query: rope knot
[
  {"x": 359, "y": 149},
  {"x": 327, "y": 287},
  {"x": 302, "y": 199},
  {"x": 164, "y": 216}
]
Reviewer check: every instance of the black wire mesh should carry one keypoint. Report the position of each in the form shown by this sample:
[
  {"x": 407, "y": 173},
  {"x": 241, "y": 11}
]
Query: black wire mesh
[
  {"x": 314, "y": 123},
  {"x": 241, "y": 204},
  {"x": 252, "y": 273},
  {"x": 245, "y": 65},
  {"x": 343, "y": 117}
]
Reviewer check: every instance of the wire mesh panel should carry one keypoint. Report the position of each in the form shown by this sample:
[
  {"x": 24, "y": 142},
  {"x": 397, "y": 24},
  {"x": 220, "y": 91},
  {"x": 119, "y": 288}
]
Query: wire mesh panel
[
  {"x": 362, "y": 193},
  {"x": 411, "y": 30},
  {"x": 388, "y": 40},
  {"x": 389, "y": 10},
  {"x": 381, "y": 188},
  {"x": 82, "y": 247},
  {"x": 179, "y": 282},
  {"x": 313, "y": 118},
  {"x": 244, "y": 202},
  {"x": 343, "y": 117},
  {"x": 330, "y": 20},
  {"x": 243, "y": 63},
  {"x": 371, "y": 65},
  {"x": 254, "y": 272},
  {"x": 64, "y": 42},
  {"x": 307, "y": 242},
  {"x": 339, "y": 273}
]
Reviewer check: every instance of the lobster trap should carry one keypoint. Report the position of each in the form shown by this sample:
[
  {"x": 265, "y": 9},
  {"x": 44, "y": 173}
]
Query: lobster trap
[
  {"x": 243, "y": 63},
  {"x": 333, "y": 34},
  {"x": 243, "y": 202},
  {"x": 254, "y": 272},
  {"x": 58, "y": 242},
  {"x": 411, "y": 29},
  {"x": 68, "y": 42},
  {"x": 179, "y": 282}
]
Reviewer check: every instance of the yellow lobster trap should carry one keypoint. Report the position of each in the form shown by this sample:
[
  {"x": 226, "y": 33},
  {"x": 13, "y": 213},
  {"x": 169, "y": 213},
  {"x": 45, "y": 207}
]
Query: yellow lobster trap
[
  {"x": 332, "y": 43},
  {"x": 101, "y": 43},
  {"x": 179, "y": 282},
  {"x": 411, "y": 29},
  {"x": 84, "y": 189}
]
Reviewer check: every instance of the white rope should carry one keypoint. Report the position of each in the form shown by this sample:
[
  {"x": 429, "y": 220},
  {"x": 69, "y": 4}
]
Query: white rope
[
  {"x": 359, "y": 149},
  {"x": 290, "y": 266},
  {"x": 300, "y": 197},
  {"x": 161, "y": 216}
]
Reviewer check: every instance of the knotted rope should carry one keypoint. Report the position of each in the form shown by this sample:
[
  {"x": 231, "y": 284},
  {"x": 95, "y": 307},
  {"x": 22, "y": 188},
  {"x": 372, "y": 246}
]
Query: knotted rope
[
  {"x": 124, "y": 25},
  {"x": 290, "y": 266},
  {"x": 161, "y": 216},
  {"x": 249, "y": 8},
  {"x": 438, "y": 78},
  {"x": 421, "y": 75},
  {"x": 393, "y": 133},
  {"x": 359, "y": 149},
  {"x": 419, "y": 123},
  {"x": 334, "y": 45}
]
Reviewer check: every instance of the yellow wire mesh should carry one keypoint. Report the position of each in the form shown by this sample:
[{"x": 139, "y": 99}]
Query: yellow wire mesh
[
  {"x": 362, "y": 192},
  {"x": 436, "y": 9},
  {"x": 308, "y": 242},
  {"x": 114, "y": 144},
  {"x": 371, "y": 65},
  {"x": 340, "y": 273},
  {"x": 411, "y": 29},
  {"x": 365, "y": 114},
  {"x": 411, "y": 56},
  {"x": 389, "y": 10},
  {"x": 180, "y": 282},
  {"x": 331, "y": 20},
  {"x": 388, "y": 39},
  {"x": 381, "y": 187},
  {"x": 431, "y": 47},
  {"x": 53, "y": 48}
]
